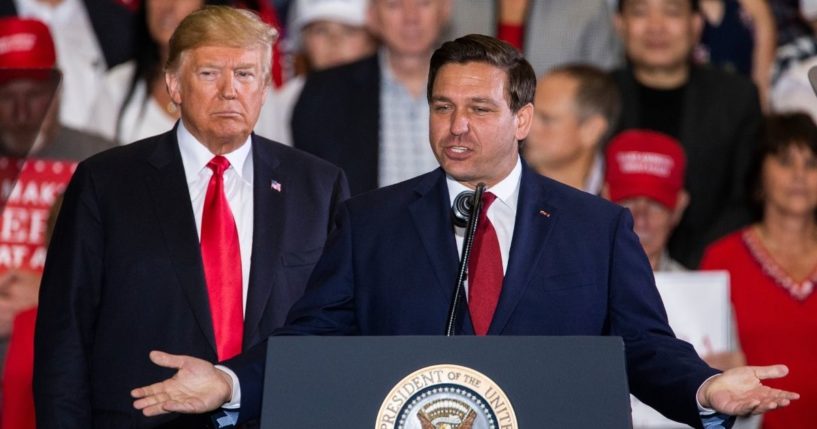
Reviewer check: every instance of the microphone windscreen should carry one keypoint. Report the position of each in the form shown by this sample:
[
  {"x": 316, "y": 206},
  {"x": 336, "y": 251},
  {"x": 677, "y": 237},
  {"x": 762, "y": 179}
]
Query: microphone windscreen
[{"x": 462, "y": 207}]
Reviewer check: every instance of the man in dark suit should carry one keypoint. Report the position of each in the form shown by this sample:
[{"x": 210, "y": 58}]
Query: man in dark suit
[
  {"x": 715, "y": 115},
  {"x": 370, "y": 117},
  {"x": 552, "y": 261},
  {"x": 157, "y": 247}
]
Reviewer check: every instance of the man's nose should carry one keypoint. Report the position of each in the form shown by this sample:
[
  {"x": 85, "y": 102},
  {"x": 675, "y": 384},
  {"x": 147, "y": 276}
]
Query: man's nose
[
  {"x": 227, "y": 87},
  {"x": 21, "y": 110},
  {"x": 459, "y": 123},
  {"x": 655, "y": 21}
]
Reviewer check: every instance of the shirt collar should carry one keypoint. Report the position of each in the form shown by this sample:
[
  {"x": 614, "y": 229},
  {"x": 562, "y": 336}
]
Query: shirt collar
[
  {"x": 390, "y": 83},
  {"x": 385, "y": 70},
  {"x": 195, "y": 156},
  {"x": 595, "y": 179},
  {"x": 507, "y": 190},
  {"x": 45, "y": 11}
]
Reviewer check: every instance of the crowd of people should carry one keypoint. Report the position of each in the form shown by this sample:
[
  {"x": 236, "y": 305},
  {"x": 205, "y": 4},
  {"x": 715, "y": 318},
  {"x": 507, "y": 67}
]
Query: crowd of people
[{"x": 695, "y": 115}]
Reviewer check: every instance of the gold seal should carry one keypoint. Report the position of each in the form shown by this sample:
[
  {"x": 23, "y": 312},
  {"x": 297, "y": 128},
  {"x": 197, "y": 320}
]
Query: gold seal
[{"x": 446, "y": 397}]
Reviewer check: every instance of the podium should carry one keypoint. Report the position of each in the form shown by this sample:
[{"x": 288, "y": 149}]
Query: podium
[{"x": 428, "y": 382}]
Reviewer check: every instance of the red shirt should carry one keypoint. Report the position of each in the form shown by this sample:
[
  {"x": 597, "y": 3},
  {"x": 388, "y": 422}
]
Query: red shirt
[{"x": 773, "y": 325}]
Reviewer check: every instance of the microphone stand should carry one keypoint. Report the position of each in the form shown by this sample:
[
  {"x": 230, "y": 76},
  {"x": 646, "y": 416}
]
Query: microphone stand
[{"x": 459, "y": 289}]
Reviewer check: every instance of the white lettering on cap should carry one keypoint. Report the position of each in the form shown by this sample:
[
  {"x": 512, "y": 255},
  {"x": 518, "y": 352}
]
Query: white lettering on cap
[
  {"x": 22, "y": 42},
  {"x": 652, "y": 163}
]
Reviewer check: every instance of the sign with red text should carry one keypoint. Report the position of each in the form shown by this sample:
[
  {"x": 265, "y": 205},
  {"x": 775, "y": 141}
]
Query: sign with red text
[{"x": 28, "y": 189}]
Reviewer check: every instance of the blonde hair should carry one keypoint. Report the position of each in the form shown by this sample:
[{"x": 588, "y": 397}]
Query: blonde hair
[{"x": 221, "y": 26}]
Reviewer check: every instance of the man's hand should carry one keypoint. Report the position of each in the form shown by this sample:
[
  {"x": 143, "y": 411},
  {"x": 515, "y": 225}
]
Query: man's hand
[
  {"x": 197, "y": 387},
  {"x": 739, "y": 391},
  {"x": 19, "y": 291}
]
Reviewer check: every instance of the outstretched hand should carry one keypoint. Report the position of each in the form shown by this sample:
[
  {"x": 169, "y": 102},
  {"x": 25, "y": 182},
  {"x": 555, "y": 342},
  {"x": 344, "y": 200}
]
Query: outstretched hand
[
  {"x": 197, "y": 387},
  {"x": 739, "y": 391}
]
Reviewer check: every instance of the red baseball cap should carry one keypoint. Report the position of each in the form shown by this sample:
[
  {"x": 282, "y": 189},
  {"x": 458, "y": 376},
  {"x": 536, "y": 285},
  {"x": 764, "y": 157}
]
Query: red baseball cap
[
  {"x": 26, "y": 49},
  {"x": 643, "y": 163}
]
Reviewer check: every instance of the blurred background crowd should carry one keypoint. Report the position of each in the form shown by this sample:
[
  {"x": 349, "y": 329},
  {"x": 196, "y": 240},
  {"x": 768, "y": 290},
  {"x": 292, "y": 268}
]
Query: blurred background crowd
[{"x": 696, "y": 115}]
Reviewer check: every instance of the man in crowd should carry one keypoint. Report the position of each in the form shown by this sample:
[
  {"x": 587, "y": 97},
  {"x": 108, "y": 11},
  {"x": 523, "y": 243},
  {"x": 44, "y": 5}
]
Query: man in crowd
[
  {"x": 37, "y": 157},
  {"x": 91, "y": 36},
  {"x": 714, "y": 115},
  {"x": 197, "y": 240},
  {"x": 29, "y": 130},
  {"x": 574, "y": 111},
  {"x": 552, "y": 261},
  {"x": 645, "y": 173},
  {"x": 370, "y": 117}
]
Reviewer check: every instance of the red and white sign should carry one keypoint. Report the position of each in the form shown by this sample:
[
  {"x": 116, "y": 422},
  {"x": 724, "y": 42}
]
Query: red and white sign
[{"x": 27, "y": 192}]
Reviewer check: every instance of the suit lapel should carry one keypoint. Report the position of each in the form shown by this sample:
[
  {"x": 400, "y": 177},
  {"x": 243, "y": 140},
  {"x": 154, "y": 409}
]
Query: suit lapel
[
  {"x": 534, "y": 221},
  {"x": 269, "y": 218},
  {"x": 171, "y": 199},
  {"x": 431, "y": 214}
]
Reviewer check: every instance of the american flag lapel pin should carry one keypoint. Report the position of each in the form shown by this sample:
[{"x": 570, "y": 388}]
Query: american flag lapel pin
[
  {"x": 275, "y": 185},
  {"x": 544, "y": 213}
]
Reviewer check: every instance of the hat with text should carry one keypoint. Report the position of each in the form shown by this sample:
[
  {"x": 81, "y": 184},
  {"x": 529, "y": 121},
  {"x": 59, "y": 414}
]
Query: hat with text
[
  {"x": 26, "y": 49},
  {"x": 642, "y": 163},
  {"x": 26, "y": 44}
]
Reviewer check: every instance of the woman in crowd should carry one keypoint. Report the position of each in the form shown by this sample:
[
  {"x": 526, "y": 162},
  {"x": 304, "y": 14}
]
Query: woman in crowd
[
  {"x": 134, "y": 103},
  {"x": 773, "y": 265},
  {"x": 739, "y": 36}
]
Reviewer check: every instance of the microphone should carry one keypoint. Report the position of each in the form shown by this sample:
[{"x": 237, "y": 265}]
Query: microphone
[
  {"x": 466, "y": 211},
  {"x": 461, "y": 209}
]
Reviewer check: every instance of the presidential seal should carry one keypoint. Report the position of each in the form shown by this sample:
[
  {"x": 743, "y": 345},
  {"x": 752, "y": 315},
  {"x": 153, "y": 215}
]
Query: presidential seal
[{"x": 446, "y": 397}]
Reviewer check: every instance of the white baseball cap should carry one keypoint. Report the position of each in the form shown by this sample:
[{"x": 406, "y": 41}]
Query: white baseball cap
[{"x": 351, "y": 12}]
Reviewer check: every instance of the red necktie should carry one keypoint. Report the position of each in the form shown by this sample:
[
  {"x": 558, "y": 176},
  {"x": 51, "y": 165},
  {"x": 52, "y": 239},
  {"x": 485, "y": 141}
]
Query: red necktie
[
  {"x": 221, "y": 256},
  {"x": 484, "y": 271}
]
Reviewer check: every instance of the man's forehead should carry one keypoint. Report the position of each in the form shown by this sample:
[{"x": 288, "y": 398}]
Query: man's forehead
[
  {"x": 27, "y": 84},
  {"x": 625, "y": 4},
  {"x": 223, "y": 54},
  {"x": 472, "y": 72},
  {"x": 644, "y": 200},
  {"x": 557, "y": 83}
]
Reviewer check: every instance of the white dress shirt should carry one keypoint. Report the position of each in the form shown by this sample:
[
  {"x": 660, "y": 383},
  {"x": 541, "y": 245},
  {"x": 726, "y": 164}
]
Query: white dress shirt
[
  {"x": 238, "y": 179},
  {"x": 502, "y": 212}
]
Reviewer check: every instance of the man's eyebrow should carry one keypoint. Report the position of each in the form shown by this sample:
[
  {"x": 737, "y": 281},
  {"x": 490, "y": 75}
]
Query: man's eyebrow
[{"x": 485, "y": 100}]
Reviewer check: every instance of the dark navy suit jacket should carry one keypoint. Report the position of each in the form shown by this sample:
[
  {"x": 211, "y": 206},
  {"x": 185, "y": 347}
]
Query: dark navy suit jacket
[
  {"x": 124, "y": 274},
  {"x": 575, "y": 268}
]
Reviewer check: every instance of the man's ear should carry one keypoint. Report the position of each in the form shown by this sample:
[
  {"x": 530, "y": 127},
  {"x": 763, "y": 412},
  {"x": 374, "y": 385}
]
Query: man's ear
[
  {"x": 680, "y": 206},
  {"x": 446, "y": 10},
  {"x": 591, "y": 131},
  {"x": 524, "y": 118},
  {"x": 697, "y": 26},
  {"x": 372, "y": 20},
  {"x": 173, "y": 87},
  {"x": 618, "y": 24}
]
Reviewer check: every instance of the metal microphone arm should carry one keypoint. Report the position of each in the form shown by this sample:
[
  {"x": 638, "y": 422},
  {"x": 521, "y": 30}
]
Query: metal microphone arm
[{"x": 459, "y": 289}]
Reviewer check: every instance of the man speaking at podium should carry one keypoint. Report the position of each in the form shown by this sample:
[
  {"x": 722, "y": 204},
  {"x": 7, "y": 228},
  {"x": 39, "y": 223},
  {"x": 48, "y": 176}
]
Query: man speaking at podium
[{"x": 547, "y": 260}]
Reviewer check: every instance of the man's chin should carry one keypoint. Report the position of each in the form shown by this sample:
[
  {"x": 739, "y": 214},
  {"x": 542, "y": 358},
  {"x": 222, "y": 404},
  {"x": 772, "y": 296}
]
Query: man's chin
[{"x": 16, "y": 145}]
